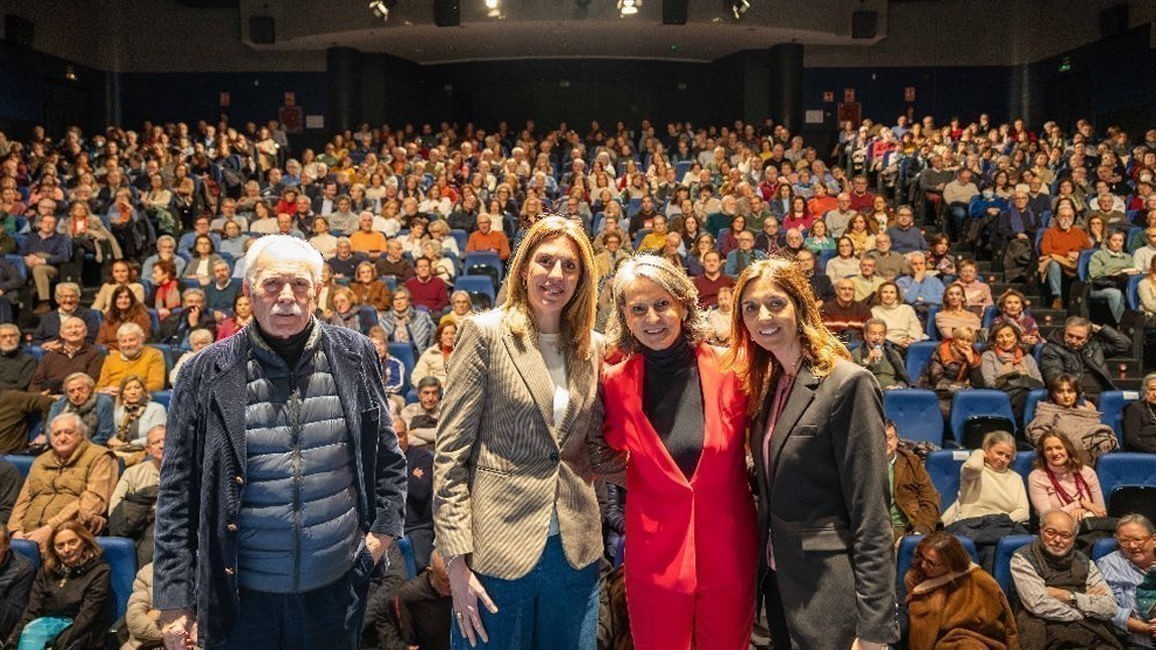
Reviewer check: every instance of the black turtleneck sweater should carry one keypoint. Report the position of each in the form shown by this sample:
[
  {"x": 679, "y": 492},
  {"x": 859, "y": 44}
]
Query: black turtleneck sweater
[
  {"x": 289, "y": 349},
  {"x": 672, "y": 400}
]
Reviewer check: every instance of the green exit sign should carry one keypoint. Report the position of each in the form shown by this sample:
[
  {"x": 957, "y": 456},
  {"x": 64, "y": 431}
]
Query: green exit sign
[{"x": 1065, "y": 64}]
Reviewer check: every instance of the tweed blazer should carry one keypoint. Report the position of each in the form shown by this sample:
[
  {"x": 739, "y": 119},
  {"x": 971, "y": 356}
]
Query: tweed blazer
[{"x": 501, "y": 466}]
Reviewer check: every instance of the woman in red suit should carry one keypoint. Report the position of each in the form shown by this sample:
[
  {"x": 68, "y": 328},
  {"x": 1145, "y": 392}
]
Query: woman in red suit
[{"x": 691, "y": 539}]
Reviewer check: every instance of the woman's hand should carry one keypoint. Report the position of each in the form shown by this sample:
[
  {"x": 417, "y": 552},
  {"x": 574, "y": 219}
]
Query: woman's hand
[
  {"x": 1091, "y": 508},
  {"x": 467, "y": 590}
]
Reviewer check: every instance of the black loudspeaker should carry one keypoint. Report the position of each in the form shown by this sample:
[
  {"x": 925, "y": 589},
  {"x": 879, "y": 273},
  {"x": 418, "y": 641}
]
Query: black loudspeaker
[
  {"x": 262, "y": 30},
  {"x": 18, "y": 30},
  {"x": 674, "y": 12},
  {"x": 447, "y": 13},
  {"x": 863, "y": 24},
  {"x": 1114, "y": 20}
]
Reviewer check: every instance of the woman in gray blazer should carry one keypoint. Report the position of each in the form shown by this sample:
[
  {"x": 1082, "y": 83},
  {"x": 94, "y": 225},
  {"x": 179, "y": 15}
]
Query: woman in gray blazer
[
  {"x": 827, "y": 573},
  {"x": 515, "y": 516}
]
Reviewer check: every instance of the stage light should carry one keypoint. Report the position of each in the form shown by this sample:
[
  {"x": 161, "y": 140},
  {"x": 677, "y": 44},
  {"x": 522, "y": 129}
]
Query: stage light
[
  {"x": 380, "y": 8},
  {"x": 739, "y": 7},
  {"x": 628, "y": 7}
]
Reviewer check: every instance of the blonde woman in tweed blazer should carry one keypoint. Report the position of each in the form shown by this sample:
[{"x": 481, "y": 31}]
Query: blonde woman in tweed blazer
[{"x": 515, "y": 514}]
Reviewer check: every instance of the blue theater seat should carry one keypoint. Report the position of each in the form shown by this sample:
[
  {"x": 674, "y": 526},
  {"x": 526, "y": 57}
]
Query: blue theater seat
[
  {"x": 120, "y": 554},
  {"x": 943, "y": 467},
  {"x": 1102, "y": 547},
  {"x": 975, "y": 402},
  {"x": 1003, "y": 552},
  {"x": 1125, "y": 469},
  {"x": 907, "y": 552},
  {"x": 915, "y": 412}
]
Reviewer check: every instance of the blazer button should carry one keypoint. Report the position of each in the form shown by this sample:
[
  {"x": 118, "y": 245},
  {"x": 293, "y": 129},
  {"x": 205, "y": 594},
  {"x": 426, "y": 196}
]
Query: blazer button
[
  {"x": 232, "y": 528},
  {"x": 229, "y": 571},
  {"x": 239, "y": 480},
  {"x": 554, "y": 457}
]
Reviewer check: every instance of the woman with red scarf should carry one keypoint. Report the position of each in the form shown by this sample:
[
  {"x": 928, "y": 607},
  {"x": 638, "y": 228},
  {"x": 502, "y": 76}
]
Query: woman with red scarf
[
  {"x": 954, "y": 366},
  {"x": 1060, "y": 481}
]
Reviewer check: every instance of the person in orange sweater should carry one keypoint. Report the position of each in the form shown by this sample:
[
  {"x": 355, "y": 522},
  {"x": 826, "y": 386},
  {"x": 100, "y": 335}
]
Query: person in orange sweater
[
  {"x": 367, "y": 240},
  {"x": 485, "y": 238},
  {"x": 1060, "y": 250}
]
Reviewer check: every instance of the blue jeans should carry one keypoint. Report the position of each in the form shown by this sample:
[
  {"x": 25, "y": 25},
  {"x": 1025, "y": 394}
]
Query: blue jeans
[
  {"x": 1055, "y": 280},
  {"x": 327, "y": 618},
  {"x": 1114, "y": 298},
  {"x": 553, "y": 607}
]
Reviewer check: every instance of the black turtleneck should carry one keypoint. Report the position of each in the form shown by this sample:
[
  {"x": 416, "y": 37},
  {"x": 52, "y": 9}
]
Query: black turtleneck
[
  {"x": 289, "y": 349},
  {"x": 672, "y": 400}
]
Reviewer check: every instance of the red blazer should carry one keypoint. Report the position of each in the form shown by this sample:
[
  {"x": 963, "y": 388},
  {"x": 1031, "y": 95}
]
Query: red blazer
[{"x": 685, "y": 536}]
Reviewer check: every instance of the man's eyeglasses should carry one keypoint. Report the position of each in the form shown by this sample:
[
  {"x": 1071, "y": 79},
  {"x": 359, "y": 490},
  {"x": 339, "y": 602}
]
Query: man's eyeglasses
[{"x": 1061, "y": 534}]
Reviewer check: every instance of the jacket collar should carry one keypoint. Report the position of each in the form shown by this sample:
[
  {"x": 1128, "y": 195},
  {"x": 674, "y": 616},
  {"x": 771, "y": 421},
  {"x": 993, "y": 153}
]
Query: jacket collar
[{"x": 227, "y": 383}]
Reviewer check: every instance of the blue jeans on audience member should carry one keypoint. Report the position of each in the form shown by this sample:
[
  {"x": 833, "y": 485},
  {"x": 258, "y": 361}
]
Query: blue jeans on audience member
[
  {"x": 1055, "y": 280},
  {"x": 1114, "y": 298},
  {"x": 553, "y": 607},
  {"x": 326, "y": 618}
]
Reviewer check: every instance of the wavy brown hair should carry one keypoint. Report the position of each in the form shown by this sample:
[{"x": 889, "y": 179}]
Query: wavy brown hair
[
  {"x": 578, "y": 314},
  {"x": 672, "y": 280},
  {"x": 52, "y": 563},
  {"x": 755, "y": 366}
]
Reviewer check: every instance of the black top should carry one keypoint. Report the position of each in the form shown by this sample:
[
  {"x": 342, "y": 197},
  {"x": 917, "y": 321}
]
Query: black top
[
  {"x": 289, "y": 349},
  {"x": 672, "y": 401}
]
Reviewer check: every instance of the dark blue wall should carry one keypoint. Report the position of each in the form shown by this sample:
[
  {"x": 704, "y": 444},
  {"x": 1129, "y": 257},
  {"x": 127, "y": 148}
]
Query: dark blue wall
[
  {"x": 34, "y": 90},
  {"x": 1111, "y": 81},
  {"x": 939, "y": 91},
  {"x": 254, "y": 96}
]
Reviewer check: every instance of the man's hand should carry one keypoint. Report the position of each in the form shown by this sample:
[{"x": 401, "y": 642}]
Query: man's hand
[
  {"x": 55, "y": 345},
  {"x": 39, "y": 535},
  {"x": 178, "y": 629},
  {"x": 377, "y": 545}
]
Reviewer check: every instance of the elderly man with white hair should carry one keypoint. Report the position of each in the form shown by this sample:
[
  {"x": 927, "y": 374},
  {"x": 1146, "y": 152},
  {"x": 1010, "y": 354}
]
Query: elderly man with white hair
[
  {"x": 73, "y": 480},
  {"x": 132, "y": 358},
  {"x": 283, "y": 484}
]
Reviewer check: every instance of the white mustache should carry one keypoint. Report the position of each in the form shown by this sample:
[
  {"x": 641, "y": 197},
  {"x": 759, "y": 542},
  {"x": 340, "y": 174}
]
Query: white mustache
[{"x": 286, "y": 310}]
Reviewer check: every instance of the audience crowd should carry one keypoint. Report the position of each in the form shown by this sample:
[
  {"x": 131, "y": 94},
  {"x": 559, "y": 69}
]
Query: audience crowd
[{"x": 123, "y": 253}]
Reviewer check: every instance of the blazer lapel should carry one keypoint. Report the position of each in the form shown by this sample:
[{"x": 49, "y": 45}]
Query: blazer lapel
[
  {"x": 533, "y": 370},
  {"x": 797, "y": 402},
  {"x": 226, "y": 387},
  {"x": 581, "y": 390}
]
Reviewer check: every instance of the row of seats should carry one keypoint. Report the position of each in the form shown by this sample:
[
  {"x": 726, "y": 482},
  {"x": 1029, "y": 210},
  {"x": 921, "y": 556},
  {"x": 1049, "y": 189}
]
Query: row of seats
[
  {"x": 1121, "y": 475},
  {"x": 119, "y": 553},
  {"x": 916, "y": 413},
  {"x": 1003, "y": 553}
]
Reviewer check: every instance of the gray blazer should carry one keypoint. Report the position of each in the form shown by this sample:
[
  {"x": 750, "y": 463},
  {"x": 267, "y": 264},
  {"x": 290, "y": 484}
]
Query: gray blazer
[
  {"x": 501, "y": 466},
  {"x": 824, "y": 500}
]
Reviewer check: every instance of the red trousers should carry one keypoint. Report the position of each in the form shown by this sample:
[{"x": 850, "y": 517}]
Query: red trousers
[{"x": 711, "y": 619}]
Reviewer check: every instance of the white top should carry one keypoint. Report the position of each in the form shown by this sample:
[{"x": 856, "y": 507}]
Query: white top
[{"x": 556, "y": 366}]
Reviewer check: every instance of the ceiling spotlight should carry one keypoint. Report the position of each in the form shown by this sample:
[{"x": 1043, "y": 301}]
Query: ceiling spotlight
[
  {"x": 492, "y": 9},
  {"x": 739, "y": 7},
  {"x": 380, "y": 8},
  {"x": 628, "y": 7}
]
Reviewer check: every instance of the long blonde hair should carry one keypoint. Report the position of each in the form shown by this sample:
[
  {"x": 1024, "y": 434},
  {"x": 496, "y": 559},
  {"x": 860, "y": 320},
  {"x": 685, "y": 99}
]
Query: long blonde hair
[
  {"x": 578, "y": 314},
  {"x": 755, "y": 366}
]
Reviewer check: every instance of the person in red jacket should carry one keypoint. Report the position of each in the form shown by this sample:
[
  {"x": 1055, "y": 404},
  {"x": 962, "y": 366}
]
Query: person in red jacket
[{"x": 691, "y": 539}]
